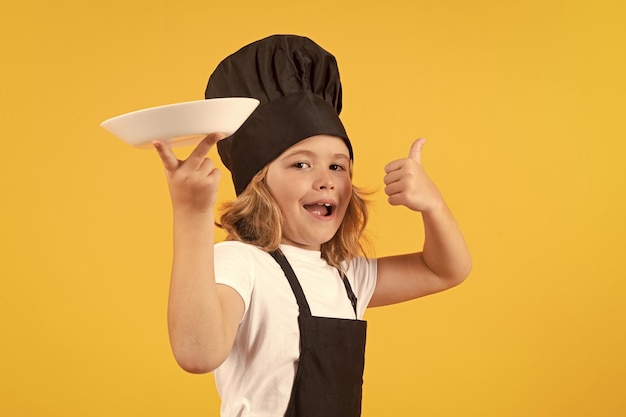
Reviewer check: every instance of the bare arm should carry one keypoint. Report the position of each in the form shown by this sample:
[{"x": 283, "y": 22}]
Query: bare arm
[
  {"x": 445, "y": 260},
  {"x": 202, "y": 315}
]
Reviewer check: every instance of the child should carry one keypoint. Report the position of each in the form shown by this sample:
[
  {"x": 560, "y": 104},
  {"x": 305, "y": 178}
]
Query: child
[{"x": 276, "y": 310}]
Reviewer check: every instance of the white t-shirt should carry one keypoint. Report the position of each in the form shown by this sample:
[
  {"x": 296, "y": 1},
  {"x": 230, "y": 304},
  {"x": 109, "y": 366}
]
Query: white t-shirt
[{"x": 257, "y": 377}]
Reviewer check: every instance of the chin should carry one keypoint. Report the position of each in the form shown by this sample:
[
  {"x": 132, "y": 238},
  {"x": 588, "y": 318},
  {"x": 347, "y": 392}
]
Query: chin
[{"x": 308, "y": 243}]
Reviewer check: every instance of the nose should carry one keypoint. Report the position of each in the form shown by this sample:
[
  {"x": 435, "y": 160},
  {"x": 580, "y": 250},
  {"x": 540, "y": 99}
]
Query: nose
[{"x": 324, "y": 181}]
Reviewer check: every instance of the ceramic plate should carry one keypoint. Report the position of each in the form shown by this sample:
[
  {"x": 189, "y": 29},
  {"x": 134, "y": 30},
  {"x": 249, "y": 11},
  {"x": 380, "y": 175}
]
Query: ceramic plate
[{"x": 182, "y": 123}]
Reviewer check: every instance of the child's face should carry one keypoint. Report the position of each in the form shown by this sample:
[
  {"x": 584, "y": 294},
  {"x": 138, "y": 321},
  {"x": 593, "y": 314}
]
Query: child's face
[{"x": 311, "y": 184}]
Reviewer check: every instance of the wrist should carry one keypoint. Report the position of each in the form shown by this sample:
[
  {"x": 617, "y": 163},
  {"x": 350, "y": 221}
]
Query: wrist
[
  {"x": 193, "y": 216},
  {"x": 436, "y": 211}
]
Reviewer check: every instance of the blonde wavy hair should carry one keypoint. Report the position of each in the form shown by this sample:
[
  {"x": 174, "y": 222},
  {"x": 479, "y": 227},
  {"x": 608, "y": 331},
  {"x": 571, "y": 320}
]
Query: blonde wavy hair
[{"x": 255, "y": 218}]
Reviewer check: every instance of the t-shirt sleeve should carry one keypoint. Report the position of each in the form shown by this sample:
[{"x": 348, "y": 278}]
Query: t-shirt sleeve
[
  {"x": 233, "y": 267},
  {"x": 361, "y": 273}
]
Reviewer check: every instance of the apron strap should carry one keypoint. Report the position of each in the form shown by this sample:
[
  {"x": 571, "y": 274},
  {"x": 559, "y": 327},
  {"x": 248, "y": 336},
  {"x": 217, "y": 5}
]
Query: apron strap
[
  {"x": 297, "y": 288},
  {"x": 351, "y": 295},
  {"x": 293, "y": 281}
]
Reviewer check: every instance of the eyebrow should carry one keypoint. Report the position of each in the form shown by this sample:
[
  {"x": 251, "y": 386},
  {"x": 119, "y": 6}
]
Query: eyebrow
[{"x": 308, "y": 153}]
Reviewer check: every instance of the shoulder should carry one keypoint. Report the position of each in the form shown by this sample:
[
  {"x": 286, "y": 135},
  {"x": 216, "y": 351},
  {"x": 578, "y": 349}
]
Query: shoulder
[
  {"x": 361, "y": 268},
  {"x": 237, "y": 265},
  {"x": 243, "y": 260},
  {"x": 236, "y": 252},
  {"x": 236, "y": 245}
]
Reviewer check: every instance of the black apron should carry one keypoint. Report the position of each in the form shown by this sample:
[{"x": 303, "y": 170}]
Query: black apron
[{"x": 329, "y": 378}]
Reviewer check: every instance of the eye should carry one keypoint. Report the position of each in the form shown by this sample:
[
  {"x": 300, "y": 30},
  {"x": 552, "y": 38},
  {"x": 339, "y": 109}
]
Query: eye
[
  {"x": 301, "y": 165},
  {"x": 336, "y": 167}
]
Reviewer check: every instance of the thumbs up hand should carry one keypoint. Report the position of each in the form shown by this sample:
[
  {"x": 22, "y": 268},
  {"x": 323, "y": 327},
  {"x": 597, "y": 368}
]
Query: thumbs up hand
[{"x": 407, "y": 184}]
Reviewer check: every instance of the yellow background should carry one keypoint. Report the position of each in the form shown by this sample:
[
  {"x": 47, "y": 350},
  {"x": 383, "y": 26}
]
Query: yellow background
[{"x": 523, "y": 107}]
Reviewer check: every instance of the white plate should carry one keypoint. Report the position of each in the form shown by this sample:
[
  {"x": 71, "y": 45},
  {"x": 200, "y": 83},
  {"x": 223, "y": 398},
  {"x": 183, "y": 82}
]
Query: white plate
[{"x": 182, "y": 123}]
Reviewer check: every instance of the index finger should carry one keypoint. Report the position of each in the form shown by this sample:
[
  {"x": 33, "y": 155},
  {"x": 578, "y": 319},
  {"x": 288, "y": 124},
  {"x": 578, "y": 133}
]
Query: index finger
[
  {"x": 205, "y": 146},
  {"x": 393, "y": 166},
  {"x": 170, "y": 162}
]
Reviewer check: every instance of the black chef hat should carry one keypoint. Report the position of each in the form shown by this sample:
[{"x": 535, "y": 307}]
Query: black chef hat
[{"x": 299, "y": 88}]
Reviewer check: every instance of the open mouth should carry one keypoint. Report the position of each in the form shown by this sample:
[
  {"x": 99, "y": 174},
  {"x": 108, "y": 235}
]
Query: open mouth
[{"x": 320, "y": 209}]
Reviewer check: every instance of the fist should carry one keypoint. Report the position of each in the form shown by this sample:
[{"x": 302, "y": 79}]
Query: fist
[{"x": 407, "y": 184}]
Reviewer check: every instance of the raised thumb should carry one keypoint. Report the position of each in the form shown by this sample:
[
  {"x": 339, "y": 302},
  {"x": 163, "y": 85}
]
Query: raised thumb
[{"x": 415, "y": 153}]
